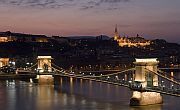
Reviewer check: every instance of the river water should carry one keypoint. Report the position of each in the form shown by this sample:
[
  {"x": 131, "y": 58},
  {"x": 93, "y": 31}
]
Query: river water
[{"x": 72, "y": 94}]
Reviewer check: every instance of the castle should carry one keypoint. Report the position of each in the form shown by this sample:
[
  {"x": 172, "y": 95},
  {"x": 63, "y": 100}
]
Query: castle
[{"x": 130, "y": 41}]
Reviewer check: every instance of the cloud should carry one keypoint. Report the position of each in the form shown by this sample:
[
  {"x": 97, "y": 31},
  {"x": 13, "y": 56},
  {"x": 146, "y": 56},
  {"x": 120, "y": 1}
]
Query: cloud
[
  {"x": 82, "y": 4},
  {"x": 112, "y": 4},
  {"x": 86, "y": 7},
  {"x": 113, "y": 1},
  {"x": 37, "y": 3}
]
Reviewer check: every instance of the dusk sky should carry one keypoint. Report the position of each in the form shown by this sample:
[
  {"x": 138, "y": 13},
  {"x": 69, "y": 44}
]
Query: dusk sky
[{"x": 150, "y": 18}]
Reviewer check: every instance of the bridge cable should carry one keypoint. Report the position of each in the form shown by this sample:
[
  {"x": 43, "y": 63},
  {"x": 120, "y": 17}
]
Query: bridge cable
[{"x": 163, "y": 76}]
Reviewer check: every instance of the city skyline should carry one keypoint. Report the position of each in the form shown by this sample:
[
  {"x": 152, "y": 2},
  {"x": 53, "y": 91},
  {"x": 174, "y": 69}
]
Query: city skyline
[{"x": 156, "y": 19}]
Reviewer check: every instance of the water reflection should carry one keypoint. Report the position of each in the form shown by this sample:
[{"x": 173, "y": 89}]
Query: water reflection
[
  {"x": 150, "y": 107},
  {"x": 93, "y": 90},
  {"x": 72, "y": 94}
]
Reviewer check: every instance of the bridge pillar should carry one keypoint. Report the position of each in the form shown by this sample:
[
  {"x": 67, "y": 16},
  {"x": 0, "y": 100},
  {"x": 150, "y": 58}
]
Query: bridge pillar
[
  {"x": 44, "y": 70},
  {"x": 145, "y": 80},
  {"x": 44, "y": 64}
]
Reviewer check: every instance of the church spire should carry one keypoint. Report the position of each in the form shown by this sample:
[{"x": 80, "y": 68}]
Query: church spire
[{"x": 116, "y": 35}]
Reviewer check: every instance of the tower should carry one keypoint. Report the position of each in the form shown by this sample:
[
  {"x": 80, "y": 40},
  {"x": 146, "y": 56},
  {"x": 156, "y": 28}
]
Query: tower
[
  {"x": 116, "y": 35},
  {"x": 145, "y": 79},
  {"x": 44, "y": 64},
  {"x": 45, "y": 67}
]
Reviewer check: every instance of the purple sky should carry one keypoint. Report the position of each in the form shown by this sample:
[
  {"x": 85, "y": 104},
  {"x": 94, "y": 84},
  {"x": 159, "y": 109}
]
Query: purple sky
[{"x": 150, "y": 18}]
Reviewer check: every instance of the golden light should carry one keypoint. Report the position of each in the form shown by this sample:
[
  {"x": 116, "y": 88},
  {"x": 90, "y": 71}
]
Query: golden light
[{"x": 146, "y": 60}]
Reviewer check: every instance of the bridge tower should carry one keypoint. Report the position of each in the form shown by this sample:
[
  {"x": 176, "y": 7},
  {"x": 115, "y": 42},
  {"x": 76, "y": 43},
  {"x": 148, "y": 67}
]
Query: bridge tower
[
  {"x": 145, "y": 79},
  {"x": 44, "y": 64},
  {"x": 44, "y": 70}
]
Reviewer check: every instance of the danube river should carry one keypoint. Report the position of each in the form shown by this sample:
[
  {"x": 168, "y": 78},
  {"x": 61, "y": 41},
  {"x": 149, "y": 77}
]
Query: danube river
[{"x": 72, "y": 94}]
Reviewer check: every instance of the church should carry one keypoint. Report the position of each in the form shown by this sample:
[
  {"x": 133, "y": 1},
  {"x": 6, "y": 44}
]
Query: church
[{"x": 130, "y": 41}]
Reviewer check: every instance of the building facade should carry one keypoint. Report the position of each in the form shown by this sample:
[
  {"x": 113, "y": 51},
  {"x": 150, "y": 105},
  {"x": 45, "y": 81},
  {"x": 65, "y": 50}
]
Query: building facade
[{"x": 130, "y": 41}]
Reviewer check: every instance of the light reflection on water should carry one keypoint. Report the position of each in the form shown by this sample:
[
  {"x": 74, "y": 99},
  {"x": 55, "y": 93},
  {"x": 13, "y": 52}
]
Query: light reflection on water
[{"x": 72, "y": 94}]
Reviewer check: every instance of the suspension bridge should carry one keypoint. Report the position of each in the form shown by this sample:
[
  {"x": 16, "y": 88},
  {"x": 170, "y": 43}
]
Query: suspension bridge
[
  {"x": 163, "y": 83},
  {"x": 146, "y": 80}
]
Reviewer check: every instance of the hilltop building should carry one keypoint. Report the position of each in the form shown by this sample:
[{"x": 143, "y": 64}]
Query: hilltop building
[
  {"x": 9, "y": 37},
  {"x": 130, "y": 41}
]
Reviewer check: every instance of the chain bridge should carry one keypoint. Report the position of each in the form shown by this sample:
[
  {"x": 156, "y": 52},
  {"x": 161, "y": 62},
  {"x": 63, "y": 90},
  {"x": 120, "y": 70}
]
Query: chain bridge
[
  {"x": 165, "y": 84},
  {"x": 144, "y": 78}
]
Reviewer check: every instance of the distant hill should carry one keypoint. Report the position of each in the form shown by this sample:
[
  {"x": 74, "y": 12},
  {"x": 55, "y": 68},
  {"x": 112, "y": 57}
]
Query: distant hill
[
  {"x": 81, "y": 37},
  {"x": 102, "y": 37}
]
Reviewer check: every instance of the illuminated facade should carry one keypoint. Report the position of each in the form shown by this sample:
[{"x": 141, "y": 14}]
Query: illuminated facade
[
  {"x": 4, "y": 62},
  {"x": 3, "y": 39},
  {"x": 130, "y": 41},
  {"x": 8, "y": 38}
]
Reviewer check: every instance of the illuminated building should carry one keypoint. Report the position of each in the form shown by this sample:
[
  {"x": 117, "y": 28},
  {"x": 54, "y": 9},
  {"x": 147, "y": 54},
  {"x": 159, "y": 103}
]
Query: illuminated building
[
  {"x": 3, "y": 39},
  {"x": 4, "y": 62},
  {"x": 9, "y": 36},
  {"x": 130, "y": 41}
]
